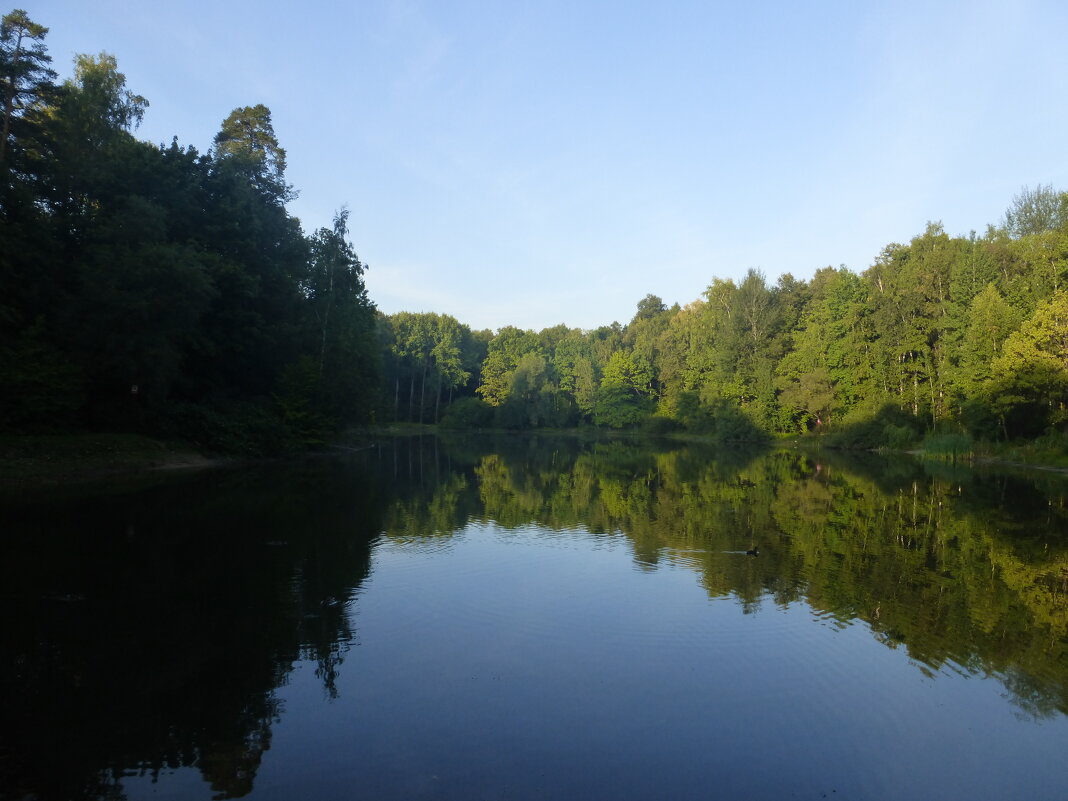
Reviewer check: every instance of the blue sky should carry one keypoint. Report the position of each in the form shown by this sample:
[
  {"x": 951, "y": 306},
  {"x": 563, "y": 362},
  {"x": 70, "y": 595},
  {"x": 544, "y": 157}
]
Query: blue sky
[{"x": 532, "y": 163}]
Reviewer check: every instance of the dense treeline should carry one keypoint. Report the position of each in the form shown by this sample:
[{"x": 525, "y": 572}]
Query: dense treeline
[
  {"x": 162, "y": 289},
  {"x": 158, "y": 288},
  {"x": 941, "y": 335}
]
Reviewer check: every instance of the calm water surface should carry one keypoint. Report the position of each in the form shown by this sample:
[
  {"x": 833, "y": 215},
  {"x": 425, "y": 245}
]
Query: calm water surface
[{"x": 537, "y": 618}]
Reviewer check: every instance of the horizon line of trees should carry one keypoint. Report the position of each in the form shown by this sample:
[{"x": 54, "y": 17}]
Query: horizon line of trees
[
  {"x": 964, "y": 334},
  {"x": 160, "y": 289},
  {"x": 157, "y": 288}
]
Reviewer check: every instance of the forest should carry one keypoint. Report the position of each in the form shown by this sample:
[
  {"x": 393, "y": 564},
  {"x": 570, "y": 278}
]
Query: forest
[
  {"x": 162, "y": 290},
  {"x": 945, "y": 336},
  {"x": 157, "y": 289}
]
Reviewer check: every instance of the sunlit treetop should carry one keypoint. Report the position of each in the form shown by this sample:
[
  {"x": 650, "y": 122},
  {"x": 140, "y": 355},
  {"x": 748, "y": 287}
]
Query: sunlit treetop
[
  {"x": 24, "y": 71},
  {"x": 247, "y": 137}
]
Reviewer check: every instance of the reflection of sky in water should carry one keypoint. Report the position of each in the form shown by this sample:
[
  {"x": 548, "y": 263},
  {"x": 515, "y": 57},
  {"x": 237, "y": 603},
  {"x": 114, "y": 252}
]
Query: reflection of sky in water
[{"x": 528, "y": 663}]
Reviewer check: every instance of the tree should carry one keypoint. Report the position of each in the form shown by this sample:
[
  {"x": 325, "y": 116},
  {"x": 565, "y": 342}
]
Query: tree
[
  {"x": 343, "y": 322},
  {"x": 247, "y": 140},
  {"x": 335, "y": 277},
  {"x": 87, "y": 154},
  {"x": 99, "y": 103},
  {"x": 574, "y": 363},
  {"x": 505, "y": 351},
  {"x": 1034, "y": 211},
  {"x": 648, "y": 307},
  {"x": 24, "y": 71},
  {"x": 448, "y": 357},
  {"x": 1028, "y": 387},
  {"x": 529, "y": 402},
  {"x": 991, "y": 320},
  {"x": 621, "y": 400}
]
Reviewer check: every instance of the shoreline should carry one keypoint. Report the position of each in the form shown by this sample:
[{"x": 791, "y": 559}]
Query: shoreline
[
  {"x": 31, "y": 461},
  {"x": 34, "y": 461}
]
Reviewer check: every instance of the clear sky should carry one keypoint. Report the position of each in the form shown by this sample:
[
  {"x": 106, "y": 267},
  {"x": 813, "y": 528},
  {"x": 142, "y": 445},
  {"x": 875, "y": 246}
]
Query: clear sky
[{"x": 532, "y": 163}]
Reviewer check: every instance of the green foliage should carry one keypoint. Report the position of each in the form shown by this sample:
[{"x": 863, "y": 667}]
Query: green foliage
[
  {"x": 431, "y": 351},
  {"x": 154, "y": 287},
  {"x": 660, "y": 425},
  {"x": 889, "y": 427},
  {"x": 247, "y": 143},
  {"x": 1036, "y": 211},
  {"x": 298, "y": 405},
  {"x": 238, "y": 428},
  {"x": 619, "y": 407},
  {"x": 342, "y": 321},
  {"x": 39, "y": 389},
  {"x": 949, "y": 446},
  {"x": 468, "y": 413},
  {"x": 25, "y": 77},
  {"x": 101, "y": 104},
  {"x": 1028, "y": 386},
  {"x": 990, "y": 321},
  {"x": 182, "y": 273},
  {"x": 505, "y": 350},
  {"x": 731, "y": 424}
]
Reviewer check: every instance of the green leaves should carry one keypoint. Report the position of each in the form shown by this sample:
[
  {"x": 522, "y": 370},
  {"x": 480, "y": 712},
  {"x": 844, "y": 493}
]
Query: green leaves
[
  {"x": 180, "y": 274},
  {"x": 248, "y": 143},
  {"x": 1028, "y": 385},
  {"x": 24, "y": 73}
]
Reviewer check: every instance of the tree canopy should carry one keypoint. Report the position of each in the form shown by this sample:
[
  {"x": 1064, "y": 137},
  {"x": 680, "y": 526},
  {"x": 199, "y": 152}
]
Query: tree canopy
[
  {"x": 941, "y": 334},
  {"x": 161, "y": 289}
]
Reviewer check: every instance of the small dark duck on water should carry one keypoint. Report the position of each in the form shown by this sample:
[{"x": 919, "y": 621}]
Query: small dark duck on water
[{"x": 754, "y": 551}]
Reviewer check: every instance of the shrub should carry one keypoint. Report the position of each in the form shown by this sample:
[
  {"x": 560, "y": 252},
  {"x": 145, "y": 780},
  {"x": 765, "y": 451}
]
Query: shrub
[
  {"x": 467, "y": 413},
  {"x": 244, "y": 429},
  {"x": 889, "y": 427},
  {"x": 658, "y": 425},
  {"x": 950, "y": 446}
]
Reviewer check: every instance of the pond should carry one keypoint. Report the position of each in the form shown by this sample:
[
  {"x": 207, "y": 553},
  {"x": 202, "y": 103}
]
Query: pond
[{"x": 536, "y": 617}]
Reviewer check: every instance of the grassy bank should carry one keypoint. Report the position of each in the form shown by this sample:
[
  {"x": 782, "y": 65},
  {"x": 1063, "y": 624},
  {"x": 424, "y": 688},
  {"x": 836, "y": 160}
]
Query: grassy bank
[{"x": 1049, "y": 452}]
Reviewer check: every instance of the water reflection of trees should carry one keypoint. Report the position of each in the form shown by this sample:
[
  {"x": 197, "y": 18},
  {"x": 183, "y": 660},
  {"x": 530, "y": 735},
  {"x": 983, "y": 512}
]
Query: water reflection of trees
[
  {"x": 964, "y": 570},
  {"x": 150, "y": 631}
]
